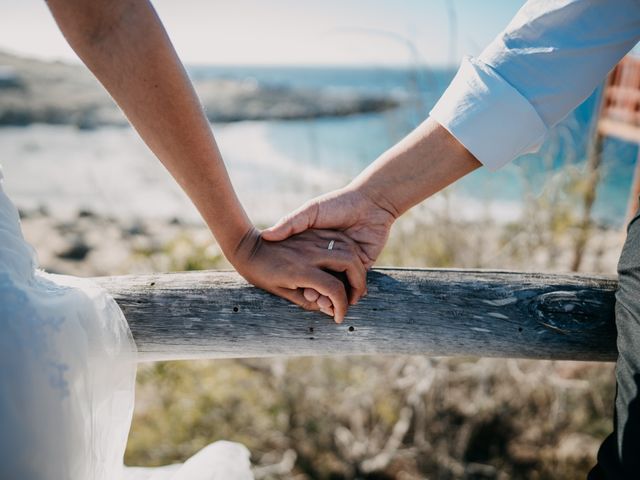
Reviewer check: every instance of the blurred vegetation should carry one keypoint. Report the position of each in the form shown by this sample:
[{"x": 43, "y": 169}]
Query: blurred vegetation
[
  {"x": 377, "y": 417},
  {"x": 371, "y": 417},
  {"x": 183, "y": 252},
  {"x": 397, "y": 417}
]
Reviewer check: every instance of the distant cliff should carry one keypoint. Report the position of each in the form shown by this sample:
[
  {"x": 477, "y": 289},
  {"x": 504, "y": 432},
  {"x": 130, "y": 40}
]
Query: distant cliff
[{"x": 34, "y": 91}]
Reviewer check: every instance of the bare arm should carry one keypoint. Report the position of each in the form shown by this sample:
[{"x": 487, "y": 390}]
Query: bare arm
[
  {"x": 125, "y": 45},
  {"x": 423, "y": 163}
]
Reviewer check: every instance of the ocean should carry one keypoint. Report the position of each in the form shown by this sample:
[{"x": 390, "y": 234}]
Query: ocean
[{"x": 276, "y": 165}]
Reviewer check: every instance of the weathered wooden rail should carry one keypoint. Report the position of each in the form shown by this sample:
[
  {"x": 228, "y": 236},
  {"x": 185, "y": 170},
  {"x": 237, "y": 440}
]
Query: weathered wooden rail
[{"x": 216, "y": 314}]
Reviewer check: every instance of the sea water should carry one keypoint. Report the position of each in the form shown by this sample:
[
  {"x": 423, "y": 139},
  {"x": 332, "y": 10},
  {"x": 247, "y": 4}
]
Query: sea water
[{"x": 276, "y": 165}]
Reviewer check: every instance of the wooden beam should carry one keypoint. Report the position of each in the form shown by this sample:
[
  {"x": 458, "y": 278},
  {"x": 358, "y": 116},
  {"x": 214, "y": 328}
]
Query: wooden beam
[{"x": 216, "y": 314}]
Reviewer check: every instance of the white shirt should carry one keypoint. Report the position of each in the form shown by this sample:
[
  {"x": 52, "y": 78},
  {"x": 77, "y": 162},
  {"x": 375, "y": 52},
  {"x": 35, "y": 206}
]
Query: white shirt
[{"x": 547, "y": 61}]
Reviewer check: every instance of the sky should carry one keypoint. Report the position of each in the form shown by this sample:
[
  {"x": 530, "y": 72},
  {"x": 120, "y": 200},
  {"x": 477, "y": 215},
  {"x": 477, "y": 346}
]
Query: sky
[{"x": 292, "y": 32}]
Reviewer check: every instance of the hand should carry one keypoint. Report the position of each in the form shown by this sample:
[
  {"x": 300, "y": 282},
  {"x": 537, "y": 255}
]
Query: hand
[
  {"x": 349, "y": 210},
  {"x": 286, "y": 268},
  {"x": 363, "y": 219},
  {"x": 421, "y": 164}
]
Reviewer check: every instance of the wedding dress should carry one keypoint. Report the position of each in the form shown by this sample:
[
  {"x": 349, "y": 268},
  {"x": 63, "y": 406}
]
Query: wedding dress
[{"x": 67, "y": 377}]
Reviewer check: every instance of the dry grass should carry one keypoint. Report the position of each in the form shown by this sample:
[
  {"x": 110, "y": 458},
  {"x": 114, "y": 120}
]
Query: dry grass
[{"x": 394, "y": 417}]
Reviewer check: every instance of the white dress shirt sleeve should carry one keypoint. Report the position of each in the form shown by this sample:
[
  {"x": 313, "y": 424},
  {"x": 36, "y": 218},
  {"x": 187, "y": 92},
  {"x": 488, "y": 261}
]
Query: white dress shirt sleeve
[{"x": 547, "y": 61}]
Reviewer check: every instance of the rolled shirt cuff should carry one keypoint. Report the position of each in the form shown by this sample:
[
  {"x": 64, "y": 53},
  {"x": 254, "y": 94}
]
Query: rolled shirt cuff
[{"x": 485, "y": 113}]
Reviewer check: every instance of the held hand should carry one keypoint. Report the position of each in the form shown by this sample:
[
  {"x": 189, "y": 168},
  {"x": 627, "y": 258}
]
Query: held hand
[
  {"x": 349, "y": 210},
  {"x": 301, "y": 262},
  {"x": 364, "y": 220}
]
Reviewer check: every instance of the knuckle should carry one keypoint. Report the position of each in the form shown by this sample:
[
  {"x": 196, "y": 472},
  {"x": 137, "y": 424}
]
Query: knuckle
[{"x": 307, "y": 305}]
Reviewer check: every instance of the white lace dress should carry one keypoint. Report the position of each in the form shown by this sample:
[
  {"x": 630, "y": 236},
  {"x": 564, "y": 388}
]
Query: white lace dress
[{"x": 67, "y": 376}]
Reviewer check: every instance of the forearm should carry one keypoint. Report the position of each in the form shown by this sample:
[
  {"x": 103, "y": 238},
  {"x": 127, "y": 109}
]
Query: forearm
[
  {"x": 423, "y": 163},
  {"x": 126, "y": 47}
]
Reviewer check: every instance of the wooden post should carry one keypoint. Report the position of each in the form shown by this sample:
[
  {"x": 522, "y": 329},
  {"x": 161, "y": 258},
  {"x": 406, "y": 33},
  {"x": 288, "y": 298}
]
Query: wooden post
[{"x": 216, "y": 314}]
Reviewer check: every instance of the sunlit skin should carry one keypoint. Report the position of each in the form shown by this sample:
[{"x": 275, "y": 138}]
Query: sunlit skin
[
  {"x": 125, "y": 45},
  {"x": 423, "y": 163}
]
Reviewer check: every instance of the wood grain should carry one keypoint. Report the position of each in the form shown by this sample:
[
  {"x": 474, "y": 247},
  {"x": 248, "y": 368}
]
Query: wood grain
[{"x": 216, "y": 314}]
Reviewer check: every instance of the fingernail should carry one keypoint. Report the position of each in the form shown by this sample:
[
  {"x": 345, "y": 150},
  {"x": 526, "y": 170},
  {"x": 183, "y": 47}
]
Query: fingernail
[{"x": 326, "y": 312}]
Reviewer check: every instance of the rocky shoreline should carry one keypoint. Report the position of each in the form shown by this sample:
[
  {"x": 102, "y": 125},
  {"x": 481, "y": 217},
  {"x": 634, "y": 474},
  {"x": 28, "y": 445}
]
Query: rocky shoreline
[{"x": 35, "y": 91}]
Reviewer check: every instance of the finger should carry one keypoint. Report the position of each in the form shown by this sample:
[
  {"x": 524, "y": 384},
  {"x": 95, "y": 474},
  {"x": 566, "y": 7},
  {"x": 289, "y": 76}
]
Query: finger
[
  {"x": 324, "y": 302},
  {"x": 357, "y": 250},
  {"x": 325, "y": 305},
  {"x": 311, "y": 295},
  {"x": 346, "y": 243},
  {"x": 366, "y": 260},
  {"x": 342, "y": 261},
  {"x": 331, "y": 287},
  {"x": 296, "y": 296},
  {"x": 342, "y": 242},
  {"x": 296, "y": 222}
]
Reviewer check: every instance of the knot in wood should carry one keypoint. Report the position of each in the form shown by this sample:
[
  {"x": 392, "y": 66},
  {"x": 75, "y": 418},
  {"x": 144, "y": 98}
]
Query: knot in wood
[{"x": 571, "y": 311}]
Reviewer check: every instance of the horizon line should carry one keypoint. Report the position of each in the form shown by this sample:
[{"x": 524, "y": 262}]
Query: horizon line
[{"x": 254, "y": 64}]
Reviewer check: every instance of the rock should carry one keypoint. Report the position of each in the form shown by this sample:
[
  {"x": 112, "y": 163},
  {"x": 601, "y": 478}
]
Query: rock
[
  {"x": 136, "y": 228},
  {"x": 9, "y": 78},
  {"x": 86, "y": 213},
  {"x": 76, "y": 252},
  {"x": 43, "y": 211},
  {"x": 34, "y": 91}
]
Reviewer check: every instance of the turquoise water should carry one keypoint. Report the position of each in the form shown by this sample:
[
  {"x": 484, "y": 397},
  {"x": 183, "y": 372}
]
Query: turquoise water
[{"x": 346, "y": 145}]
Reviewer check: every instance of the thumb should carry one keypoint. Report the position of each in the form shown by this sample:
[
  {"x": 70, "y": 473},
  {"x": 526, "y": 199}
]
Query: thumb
[{"x": 296, "y": 222}]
